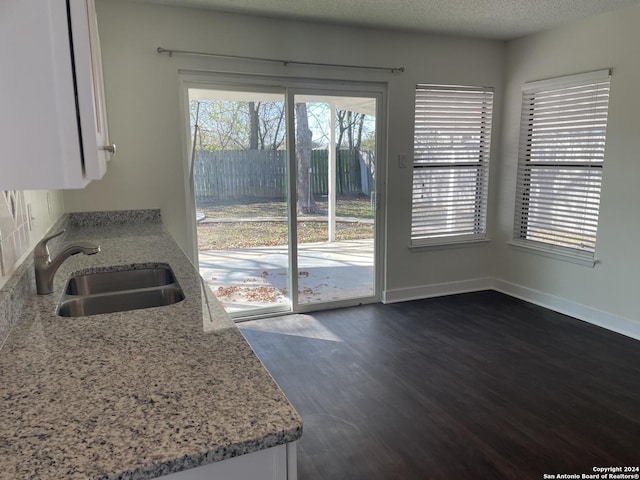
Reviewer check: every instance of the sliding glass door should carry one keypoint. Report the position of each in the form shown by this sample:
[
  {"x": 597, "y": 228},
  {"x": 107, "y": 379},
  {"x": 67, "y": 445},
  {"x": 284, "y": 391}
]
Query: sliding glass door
[
  {"x": 335, "y": 145},
  {"x": 241, "y": 196},
  {"x": 284, "y": 181}
]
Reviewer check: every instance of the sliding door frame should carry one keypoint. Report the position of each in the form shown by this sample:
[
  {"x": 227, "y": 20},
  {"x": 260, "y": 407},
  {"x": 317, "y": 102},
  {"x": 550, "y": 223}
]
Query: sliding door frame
[{"x": 291, "y": 86}]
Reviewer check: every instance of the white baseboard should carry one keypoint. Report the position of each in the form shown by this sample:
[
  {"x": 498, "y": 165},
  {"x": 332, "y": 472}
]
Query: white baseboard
[
  {"x": 615, "y": 323},
  {"x": 437, "y": 290}
]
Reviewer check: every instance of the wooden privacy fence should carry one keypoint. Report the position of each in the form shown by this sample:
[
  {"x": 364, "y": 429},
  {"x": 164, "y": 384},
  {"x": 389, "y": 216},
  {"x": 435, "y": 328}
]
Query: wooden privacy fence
[
  {"x": 238, "y": 174},
  {"x": 261, "y": 174}
]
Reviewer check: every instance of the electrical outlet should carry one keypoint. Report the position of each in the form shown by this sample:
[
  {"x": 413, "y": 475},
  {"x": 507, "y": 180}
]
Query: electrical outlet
[{"x": 402, "y": 160}]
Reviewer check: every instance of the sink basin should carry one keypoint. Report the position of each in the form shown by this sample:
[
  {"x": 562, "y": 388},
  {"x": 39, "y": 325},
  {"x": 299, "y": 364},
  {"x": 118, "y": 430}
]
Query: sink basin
[
  {"x": 110, "y": 281},
  {"x": 120, "y": 301},
  {"x": 137, "y": 287}
]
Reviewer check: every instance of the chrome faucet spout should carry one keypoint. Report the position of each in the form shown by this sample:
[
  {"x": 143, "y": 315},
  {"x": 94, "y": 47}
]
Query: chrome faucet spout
[{"x": 45, "y": 268}]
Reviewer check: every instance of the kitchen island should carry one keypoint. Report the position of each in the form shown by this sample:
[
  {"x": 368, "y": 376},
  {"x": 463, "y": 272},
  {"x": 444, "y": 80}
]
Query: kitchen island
[{"x": 136, "y": 394}]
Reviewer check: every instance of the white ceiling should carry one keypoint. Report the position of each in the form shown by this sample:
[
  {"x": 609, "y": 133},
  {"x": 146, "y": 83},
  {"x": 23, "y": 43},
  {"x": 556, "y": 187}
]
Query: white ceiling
[{"x": 498, "y": 19}]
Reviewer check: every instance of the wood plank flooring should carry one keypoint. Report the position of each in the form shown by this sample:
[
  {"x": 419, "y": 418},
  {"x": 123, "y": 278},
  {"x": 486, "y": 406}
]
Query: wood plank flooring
[{"x": 473, "y": 386}]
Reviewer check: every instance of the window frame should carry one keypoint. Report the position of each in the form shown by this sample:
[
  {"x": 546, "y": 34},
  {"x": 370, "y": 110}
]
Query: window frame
[
  {"x": 460, "y": 170},
  {"x": 590, "y": 160}
]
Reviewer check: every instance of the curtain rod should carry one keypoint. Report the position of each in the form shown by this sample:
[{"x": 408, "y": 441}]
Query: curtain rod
[{"x": 275, "y": 60}]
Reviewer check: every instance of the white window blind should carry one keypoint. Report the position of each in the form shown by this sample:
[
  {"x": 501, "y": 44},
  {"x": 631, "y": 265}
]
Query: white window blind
[
  {"x": 562, "y": 140},
  {"x": 452, "y": 141}
]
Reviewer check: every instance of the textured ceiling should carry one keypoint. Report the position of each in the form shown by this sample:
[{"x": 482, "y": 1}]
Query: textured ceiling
[{"x": 499, "y": 19}]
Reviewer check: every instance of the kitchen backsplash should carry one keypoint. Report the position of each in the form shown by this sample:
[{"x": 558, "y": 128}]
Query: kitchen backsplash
[{"x": 14, "y": 229}]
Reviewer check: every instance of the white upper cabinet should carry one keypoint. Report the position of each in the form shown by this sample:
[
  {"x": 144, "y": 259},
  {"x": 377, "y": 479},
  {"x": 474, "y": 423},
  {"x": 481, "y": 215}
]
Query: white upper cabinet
[{"x": 53, "y": 125}]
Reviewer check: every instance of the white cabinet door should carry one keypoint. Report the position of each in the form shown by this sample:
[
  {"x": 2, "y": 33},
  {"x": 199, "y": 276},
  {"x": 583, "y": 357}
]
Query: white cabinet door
[
  {"x": 37, "y": 105},
  {"x": 96, "y": 149},
  {"x": 40, "y": 119}
]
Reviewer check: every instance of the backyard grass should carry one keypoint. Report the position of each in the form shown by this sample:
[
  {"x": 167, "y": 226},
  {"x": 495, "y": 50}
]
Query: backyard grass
[
  {"x": 359, "y": 207},
  {"x": 248, "y": 234}
]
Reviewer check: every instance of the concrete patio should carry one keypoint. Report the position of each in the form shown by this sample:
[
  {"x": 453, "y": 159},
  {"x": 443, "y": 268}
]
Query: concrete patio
[{"x": 248, "y": 278}]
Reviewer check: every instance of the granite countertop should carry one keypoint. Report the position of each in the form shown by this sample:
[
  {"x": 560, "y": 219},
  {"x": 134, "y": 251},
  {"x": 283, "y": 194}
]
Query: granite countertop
[{"x": 137, "y": 394}]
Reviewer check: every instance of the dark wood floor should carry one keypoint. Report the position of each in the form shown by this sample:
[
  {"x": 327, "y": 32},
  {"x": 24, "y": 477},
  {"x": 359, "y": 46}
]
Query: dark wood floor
[{"x": 474, "y": 386}]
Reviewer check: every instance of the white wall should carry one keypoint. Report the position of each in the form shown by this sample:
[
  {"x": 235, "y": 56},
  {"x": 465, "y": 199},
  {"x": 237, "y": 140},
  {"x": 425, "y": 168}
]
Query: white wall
[
  {"x": 606, "y": 41},
  {"x": 144, "y": 113}
]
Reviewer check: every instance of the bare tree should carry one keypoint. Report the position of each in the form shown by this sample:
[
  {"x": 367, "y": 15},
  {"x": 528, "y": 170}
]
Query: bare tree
[
  {"x": 222, "y": 125},
  {"x": 240, "y": 125},
  {"x": 306, "y": 203},
  {"x": 270, "y": 128},
  {"x": 278, "y": 137},
  {"x": 254, "y": 125},
  {"x": 341, "y": 114},
  {"x": 350, "y": 124},
  {"x": 359, "y": 130},
  {"x": 228, "y": 125}
]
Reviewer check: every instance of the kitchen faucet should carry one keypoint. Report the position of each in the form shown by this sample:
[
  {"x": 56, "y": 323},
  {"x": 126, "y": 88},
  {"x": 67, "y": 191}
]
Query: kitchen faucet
[{"x": 45, "y": 268}]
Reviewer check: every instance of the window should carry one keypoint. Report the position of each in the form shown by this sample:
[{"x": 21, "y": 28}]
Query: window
[
  {"x": 562, "y": 139},
  {"x": 452, "y": 139}
]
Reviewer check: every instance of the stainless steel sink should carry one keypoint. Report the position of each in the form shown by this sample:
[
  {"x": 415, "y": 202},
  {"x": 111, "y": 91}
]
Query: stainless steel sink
[
  {"x": 120, "y": 301},
  {"x": 104, "y": 282},
  {"x": 139, "y": 286}
]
